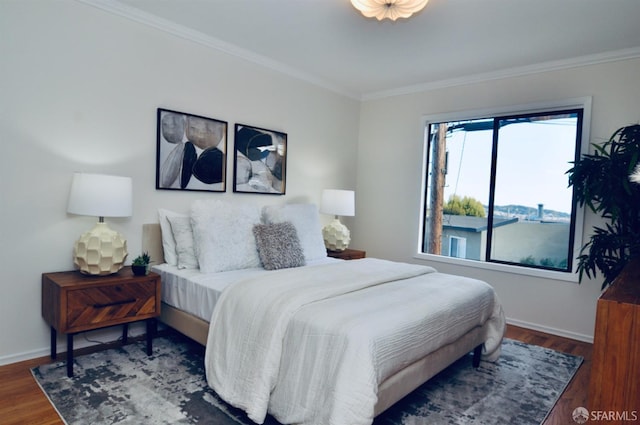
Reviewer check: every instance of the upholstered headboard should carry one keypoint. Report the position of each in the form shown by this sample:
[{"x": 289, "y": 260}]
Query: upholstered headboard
[{"x": 152, "y": 242}]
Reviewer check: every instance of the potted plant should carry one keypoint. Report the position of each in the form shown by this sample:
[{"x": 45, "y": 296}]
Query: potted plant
[
  {"x": 140, "y": 264},
  {"x": 608, "y": 183}
]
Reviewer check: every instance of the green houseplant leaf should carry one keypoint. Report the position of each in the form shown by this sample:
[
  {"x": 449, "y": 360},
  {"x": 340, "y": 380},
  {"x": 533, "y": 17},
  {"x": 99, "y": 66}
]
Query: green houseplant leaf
[
  {"x": 142, "y": 260},
  {"x": 601, "y": 183}
]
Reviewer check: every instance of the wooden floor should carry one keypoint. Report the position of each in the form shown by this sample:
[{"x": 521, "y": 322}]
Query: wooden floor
[{"x": 22, "y": 401}]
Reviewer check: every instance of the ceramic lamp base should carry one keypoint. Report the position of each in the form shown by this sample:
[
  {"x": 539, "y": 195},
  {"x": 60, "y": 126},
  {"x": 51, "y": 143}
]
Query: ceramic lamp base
[
  {"x": 336, "y": 236},
  {"x": 100, "y": 251}
]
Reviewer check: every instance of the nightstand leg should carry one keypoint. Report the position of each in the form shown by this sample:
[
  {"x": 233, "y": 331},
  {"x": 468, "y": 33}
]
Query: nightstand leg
[
  {"x": 150, "y": 332},
  {"x": 69, "y": 355},
  {"x": 54, "y": 339}
]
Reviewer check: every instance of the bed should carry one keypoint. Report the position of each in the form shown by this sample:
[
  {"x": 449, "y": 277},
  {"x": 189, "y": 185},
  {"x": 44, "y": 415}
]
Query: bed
[{"x": 274, "y": 384}]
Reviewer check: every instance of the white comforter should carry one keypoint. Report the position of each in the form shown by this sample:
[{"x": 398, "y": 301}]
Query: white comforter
[{"x": 310, "y": 345}]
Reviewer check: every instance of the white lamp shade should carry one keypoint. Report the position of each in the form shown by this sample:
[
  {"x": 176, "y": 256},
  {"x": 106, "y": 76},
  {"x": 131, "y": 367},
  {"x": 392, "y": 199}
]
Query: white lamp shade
[
  {"x": 338, "y": 202},
  {"x": 100, "y": 195}
]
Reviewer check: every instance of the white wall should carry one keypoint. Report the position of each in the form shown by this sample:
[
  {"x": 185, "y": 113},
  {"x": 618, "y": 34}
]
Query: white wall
[
  {"x": 389, "y": 178},
  {"x": 79, "y": 88}
]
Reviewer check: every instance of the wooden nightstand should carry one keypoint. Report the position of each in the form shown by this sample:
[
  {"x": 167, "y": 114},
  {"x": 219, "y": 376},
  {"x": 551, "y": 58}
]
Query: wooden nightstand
[
  {"x": 347, "y": 254},
  {"x": 73, "y": 302}
]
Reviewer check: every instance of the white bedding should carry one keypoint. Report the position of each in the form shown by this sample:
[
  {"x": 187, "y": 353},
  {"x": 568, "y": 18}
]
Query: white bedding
[
  {"x": 197, "y": 293},
  {"x": 310, "y": 345}
]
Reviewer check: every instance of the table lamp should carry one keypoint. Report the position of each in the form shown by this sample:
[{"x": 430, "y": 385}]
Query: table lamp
[
  {"x": 100, "y": 251},
  {"x": 338, "y": 203}
]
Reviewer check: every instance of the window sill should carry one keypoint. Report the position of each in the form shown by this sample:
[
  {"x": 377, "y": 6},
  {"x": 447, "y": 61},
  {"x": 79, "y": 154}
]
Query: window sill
[{"x": 503, "y": 268}]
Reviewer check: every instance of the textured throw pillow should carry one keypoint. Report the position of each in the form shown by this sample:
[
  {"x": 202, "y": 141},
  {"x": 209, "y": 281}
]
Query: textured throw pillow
[
  {"x": 278, "y": 245},
  {"x": 306, "y": 219},
  {"x": 168, "y": 241},
  {"x": 223, "y": 235},
  {"x": 183, "y": 235}
]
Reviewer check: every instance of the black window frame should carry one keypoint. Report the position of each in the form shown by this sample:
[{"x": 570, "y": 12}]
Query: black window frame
[{"x": 580, "y": 109}]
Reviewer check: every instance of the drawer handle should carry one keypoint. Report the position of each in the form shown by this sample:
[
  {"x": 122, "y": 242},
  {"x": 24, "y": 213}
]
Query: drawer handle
[{"x": 128, "y": 301}]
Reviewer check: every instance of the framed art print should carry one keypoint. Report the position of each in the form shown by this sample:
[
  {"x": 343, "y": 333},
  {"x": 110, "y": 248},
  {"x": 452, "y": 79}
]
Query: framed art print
[
  {"x": 260, "y": 158},
  {"x": 191, "y": 152}
]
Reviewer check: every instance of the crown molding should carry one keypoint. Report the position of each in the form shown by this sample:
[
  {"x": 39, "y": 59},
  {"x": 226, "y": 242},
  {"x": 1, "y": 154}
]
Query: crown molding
[
  {"x": 117, "y": 8},
  {"x": 612, "y": 56}
]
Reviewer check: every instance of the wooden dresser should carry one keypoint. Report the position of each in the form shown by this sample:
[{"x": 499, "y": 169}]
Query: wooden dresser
[{"x": 615, "y": 373}]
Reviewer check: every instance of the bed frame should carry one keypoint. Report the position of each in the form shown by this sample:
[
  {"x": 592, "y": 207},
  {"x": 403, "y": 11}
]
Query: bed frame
[{"x": 390, "y": 391}]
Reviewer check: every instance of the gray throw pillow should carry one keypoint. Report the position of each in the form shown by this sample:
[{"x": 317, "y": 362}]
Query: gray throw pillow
[{"x": 278, "y": 245}]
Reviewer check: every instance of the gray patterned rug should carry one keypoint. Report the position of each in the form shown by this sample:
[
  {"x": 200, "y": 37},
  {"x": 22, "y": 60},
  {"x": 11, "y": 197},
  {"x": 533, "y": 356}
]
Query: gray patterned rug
[{"x": 124, "y": 386}]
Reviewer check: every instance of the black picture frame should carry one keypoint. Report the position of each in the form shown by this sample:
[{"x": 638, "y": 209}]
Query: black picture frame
[
  {"x": 260, "y": 160},
  {"x": 191, "y": 152}
]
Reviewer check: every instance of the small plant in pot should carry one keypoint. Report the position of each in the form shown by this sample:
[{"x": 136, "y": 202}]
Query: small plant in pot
[{"x": 140, "y": 264}]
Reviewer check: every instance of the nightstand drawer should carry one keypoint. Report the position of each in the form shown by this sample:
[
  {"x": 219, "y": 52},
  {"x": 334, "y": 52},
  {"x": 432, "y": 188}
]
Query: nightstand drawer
[{"x": 110, "y": 304}]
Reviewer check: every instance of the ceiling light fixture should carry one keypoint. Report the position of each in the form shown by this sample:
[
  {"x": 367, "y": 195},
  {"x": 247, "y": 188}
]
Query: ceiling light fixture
[{"x": 389, "y": 9}]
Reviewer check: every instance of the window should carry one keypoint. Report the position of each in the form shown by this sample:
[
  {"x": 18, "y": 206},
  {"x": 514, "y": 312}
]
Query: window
[
  {"x": 496, "y": 189},
  {"x": 457, "y": 247}
]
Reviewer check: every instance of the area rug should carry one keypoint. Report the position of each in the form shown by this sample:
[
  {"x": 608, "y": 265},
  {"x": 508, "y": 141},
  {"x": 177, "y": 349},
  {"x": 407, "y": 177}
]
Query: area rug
[{"x": 125, "y": 386}]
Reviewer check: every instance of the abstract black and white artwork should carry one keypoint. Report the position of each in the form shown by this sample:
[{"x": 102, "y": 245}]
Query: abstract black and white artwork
[
  {"x": 191, "y": 152},
  {"x": 260, "y": 160}
]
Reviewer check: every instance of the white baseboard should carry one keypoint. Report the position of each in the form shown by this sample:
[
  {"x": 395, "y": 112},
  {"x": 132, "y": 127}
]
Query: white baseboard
[
  {"x": 553, "y": 331},
  {"x": 81, "y": 340},
  {"x": 26, "y": 355},
  {"x": 112, "y": 335}
]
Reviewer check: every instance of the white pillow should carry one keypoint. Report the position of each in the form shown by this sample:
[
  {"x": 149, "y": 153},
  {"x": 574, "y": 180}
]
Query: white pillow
[
  {"x": 183, "y": 235},
  {"x": 223, "y": 235},
  {"x": 168, "y": 241},
  {"x": 306, "y": 220}
]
